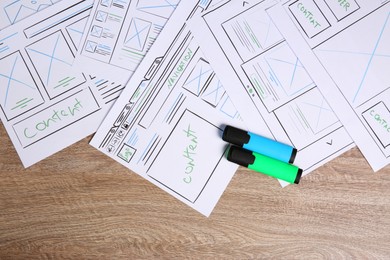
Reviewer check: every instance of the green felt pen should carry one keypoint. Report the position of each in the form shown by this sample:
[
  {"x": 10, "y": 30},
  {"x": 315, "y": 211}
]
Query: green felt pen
[{"x": 264, "y": 164}]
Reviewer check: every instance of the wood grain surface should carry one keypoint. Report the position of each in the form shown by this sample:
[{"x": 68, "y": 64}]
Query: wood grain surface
[{"x": 80, "y": 204}]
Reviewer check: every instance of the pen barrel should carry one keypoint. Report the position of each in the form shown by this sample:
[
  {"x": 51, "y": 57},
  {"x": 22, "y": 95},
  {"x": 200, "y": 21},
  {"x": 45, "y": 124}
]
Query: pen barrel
[
  {"x": 275, "y": 168},
  {"x": 259, "y": 144},
  {"x": 264, "y": 164},
  {"x": 270, "y": 148}
]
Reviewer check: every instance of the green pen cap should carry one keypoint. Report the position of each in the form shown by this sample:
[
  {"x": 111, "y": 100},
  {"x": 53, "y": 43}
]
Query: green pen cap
[{"x": 264, "y": 164}]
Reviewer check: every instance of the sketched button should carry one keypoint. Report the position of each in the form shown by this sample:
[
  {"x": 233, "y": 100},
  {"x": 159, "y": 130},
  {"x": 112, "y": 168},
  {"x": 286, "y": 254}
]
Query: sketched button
[
  {"x": 91, "y": 46},
  {"x": 101, "y": 16}
]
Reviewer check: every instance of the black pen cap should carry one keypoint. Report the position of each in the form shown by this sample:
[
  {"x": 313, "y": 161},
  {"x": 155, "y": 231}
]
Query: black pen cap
[
  {"x": 235, "y": 136},
  {"x": 240, "y": 156}
]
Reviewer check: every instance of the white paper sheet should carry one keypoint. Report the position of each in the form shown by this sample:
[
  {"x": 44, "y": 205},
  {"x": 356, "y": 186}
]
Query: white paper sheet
[
  {"x": 167, "y": 124},
  {"x": 13, "y": 11},
  {"x": 345, "y": 47},
  {"x": 267, "y": 82}
]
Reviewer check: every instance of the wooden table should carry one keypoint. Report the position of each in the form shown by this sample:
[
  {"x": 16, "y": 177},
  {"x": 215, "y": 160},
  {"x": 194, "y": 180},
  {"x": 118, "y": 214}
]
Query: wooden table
[{"x": 80, "y": 204}]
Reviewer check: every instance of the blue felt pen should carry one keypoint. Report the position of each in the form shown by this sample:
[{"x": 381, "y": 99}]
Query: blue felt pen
[{"x": 259, "y": 144}]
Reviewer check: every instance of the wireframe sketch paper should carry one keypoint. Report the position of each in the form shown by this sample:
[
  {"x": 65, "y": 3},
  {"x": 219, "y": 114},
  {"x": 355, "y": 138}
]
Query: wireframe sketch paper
[
  {"x": 119, "y": 34},
  {"x": 50, "y": 95},
  {"x": 46, "y": 105},
  {"x": 13, "y": 11},
  {"x": 167, "y": 124},
  {"x": 345, "y": 46},
  {"x": 268, "y": 83}
]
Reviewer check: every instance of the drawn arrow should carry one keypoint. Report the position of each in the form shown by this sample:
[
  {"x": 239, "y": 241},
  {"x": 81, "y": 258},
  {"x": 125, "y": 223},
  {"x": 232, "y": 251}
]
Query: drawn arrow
[
  {"x": 244, "y": 3},
  {"x": 331, "y": 142}
]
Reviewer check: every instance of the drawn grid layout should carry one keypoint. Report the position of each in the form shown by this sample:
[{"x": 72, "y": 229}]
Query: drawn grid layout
[
  {"x": 174, "y": 118},
  {"x": 53, "y": 71},
  {"x": 268, "y": 82},
  {"x": 44, "y": 96},
  {"x": 13, "y": 11},
  {"x": 120, "y": 32},
  {"x": 360, "y": 85}
]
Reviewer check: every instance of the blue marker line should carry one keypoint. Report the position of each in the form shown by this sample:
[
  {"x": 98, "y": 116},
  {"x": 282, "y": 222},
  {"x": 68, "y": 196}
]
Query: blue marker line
[
  {"x": 99, "y": 81},
  {"x": 158, "y": 6},
  {"x": 4, "y": 48},
  {"x": 147, "y": 147},
  {"x": 216, "y": 91},
  {"x": 9, "y": 36},
  {"x": 9, "y": 81},
  {"x": 47, "y": 55},
  {"x": 51, "y": 60},
  {"x": 76, "y": 31},
  {"x": 137, "y": 34},
  {"x": 172, "y": 106},
  {"x": 372, "y": 56},
  {"x": 199, "y": 77},
  {"x": 132, "y": 136},
  {"x": 16, "y": 80},
  {"x": 295, "y": 69},
  {"x": 223, "y": 111}
]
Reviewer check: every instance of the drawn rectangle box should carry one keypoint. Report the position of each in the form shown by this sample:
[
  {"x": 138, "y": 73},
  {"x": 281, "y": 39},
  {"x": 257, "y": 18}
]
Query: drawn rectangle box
[
  {"x": 52, "y": 58},
  {"x": 96, "y": 31},
  {"x": 378, "y": 119},
  {"x": 309, "y": 17},
  {"x": 192, "y": 152},
  {"x": 126, "y": 153},
  {"x": 228, "y": 108},
  {"x": 56, "y": 117},
  {"x": 198, "y": 78},
  {"x": 342, "y": 9},
  {"x": 137, "y": 34},
  {"x": 91, "y": 46},
  {"x": 101, "y": 16},
  {"x": 18, "y": 88},
  {"x": 214, "y": 92},
  {"x": 252, "y": 34}
]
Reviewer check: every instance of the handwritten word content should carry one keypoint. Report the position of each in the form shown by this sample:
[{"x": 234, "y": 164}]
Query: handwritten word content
[
  {"x": 344, "y": 4},
  {"x": 380, "y": 120},
  {"x": 189, "y": 153},
  {"x": 56, "y": 117},
  {"x": 180, "y": 67},
  {"x": 308, "y": 15}
]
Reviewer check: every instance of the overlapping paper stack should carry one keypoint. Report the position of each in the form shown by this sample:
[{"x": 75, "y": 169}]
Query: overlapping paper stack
[{"x": 159, "y": 80}]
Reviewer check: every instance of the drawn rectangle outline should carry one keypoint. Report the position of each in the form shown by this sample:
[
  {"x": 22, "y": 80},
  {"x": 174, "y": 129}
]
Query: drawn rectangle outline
[{"x": 162, "y": 148}]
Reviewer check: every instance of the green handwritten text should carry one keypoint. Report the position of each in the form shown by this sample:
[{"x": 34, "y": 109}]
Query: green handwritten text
[
  {"x": 344, "y": 4},
  {"x": 55, "y": 118},
  {"x": 308, "y": 15},
  {"x": 380, "y": 120},
  {"x": 189, "y": 153},
  {"x": 176, "y": 73}
]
